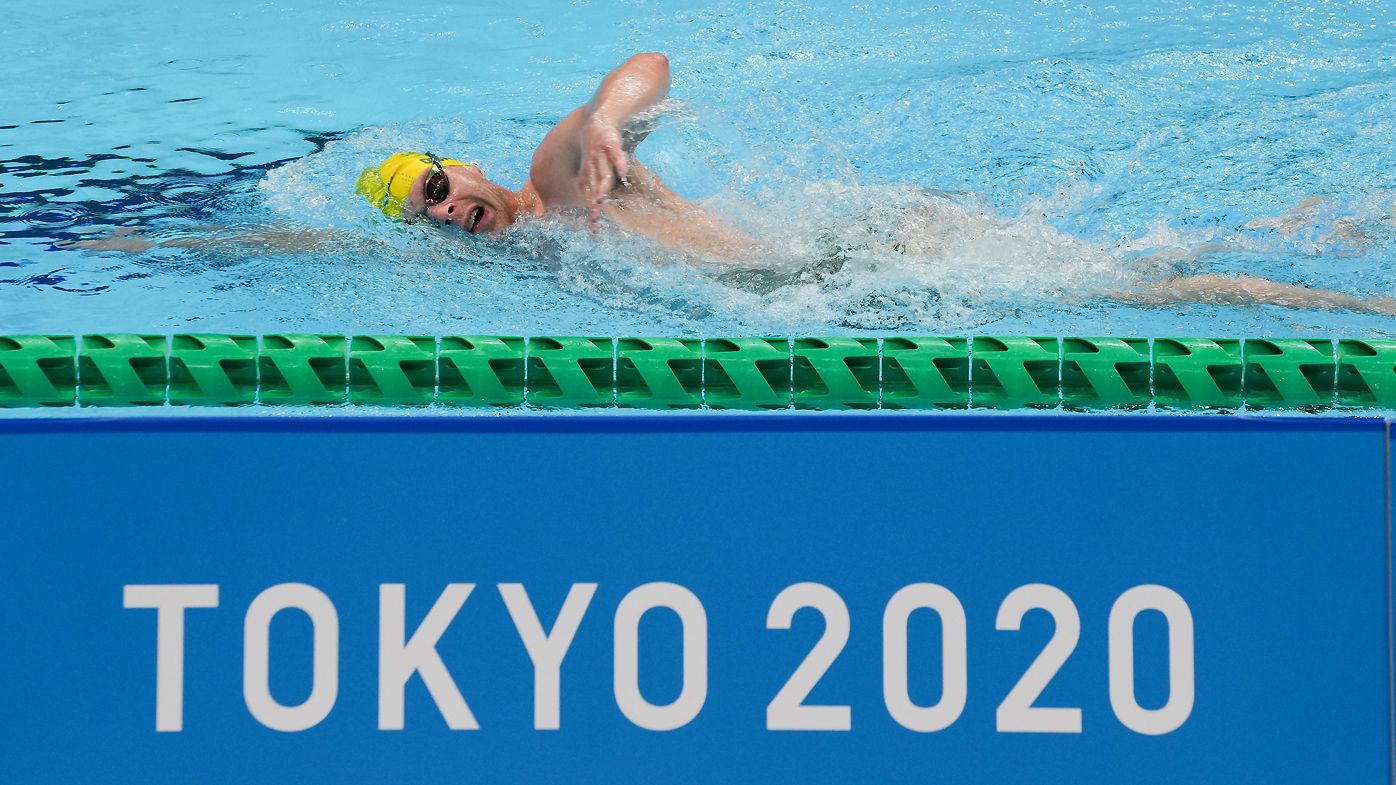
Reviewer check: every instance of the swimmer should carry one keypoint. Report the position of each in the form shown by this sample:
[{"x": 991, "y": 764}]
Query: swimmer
[
  {"x": 585, "y": 163},
  {"x": 585, "y": 168}
]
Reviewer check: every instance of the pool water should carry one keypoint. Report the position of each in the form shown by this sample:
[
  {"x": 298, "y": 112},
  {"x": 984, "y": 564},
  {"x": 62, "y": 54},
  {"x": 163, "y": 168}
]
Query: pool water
[{"x": 974, "y": 168}]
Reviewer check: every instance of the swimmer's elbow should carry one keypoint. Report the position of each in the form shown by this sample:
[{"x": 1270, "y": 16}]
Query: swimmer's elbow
[{"x": 654, "y": 62}]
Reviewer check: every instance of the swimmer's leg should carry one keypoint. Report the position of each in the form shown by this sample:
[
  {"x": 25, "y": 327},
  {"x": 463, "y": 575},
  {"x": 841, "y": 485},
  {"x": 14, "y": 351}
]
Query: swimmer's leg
[{"x": 1250, "y": 290}]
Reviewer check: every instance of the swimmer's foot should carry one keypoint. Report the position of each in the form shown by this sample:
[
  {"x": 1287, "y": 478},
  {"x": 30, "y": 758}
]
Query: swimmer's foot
[
  {"x": 1346, "y": 236},
  {"x": 1294, "y": 220}
]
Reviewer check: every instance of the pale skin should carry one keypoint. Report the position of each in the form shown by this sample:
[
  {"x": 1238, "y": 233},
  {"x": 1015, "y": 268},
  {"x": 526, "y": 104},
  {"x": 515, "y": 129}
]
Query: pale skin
[
  {"x": 587, "y": 162},
  {"x": 586, "y": 165}
]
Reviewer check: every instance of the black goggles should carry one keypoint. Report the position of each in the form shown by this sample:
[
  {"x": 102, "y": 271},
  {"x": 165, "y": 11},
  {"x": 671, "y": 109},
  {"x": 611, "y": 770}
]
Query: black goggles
[{"x": 437, "y": 187}]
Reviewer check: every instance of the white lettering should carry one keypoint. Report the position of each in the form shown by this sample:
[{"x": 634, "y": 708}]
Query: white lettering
[
  {"x": 256, "y": 690},
  {"x": 398, "y": 661},
  {"x": 954, "y": 657},
  {"x": 1151, "y": 722},
  {"x": 170, "y": 602},
  {"x": 547, "y": 650},
  {"x": 627, "y": 656},
  {"x": 787, "y": 711},
  {"x": 1017, "y": 714}
]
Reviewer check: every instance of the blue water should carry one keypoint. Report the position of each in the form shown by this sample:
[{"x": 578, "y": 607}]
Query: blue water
[{"x": 1090, "y": 140}]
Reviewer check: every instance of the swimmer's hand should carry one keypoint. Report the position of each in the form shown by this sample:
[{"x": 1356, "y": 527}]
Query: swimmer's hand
[
  {"x": 604, "y": 162},
  {"x": 124, "y": 239},
  {"x": 603, "y": 151}
]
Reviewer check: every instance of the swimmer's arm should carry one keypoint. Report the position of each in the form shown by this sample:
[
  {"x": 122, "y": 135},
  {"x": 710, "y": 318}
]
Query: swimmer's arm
[
  {"x": 213, "y": 238},
  {"x": 583, "y": 157},
  {"x": 647, "y": 206},
  {"x": 637, "y": 85}
]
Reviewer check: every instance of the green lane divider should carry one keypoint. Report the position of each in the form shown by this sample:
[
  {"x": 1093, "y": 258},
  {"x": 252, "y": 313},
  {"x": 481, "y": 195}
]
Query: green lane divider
[
  {"x": 925, "y": 373},
  {"x": 38, "y": 370},
  {"x": 746, "y": 373},
  {"x": 1366, "y": 373},
  {"x": 570, "y": 372},
  {"x": 1105, "y": 373},
  {"x": 213, "y": 370},
  {"x": 392, "y": 369},
  {"x": 1288, "y": 373},
  {"x": 122, "y": 370},
  {"x": 659, "y": 373},
  {"x": 481, "y": 370},
  {"x": 835, "y": 373},
  {"x": 302, "y": 369},
  {"x": 1191, "y": 373},
  {"x": 1015, "y": 372},
  {"x": 555, "y": 372}
]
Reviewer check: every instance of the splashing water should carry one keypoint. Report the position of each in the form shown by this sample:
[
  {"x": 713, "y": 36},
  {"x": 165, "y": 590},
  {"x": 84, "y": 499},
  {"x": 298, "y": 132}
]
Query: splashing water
[{"x": 835, "y": 253}]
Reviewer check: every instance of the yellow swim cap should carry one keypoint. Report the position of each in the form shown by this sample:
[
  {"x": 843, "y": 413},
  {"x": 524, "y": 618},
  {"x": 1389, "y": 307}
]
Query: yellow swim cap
[{"x": 386, "y": 186}]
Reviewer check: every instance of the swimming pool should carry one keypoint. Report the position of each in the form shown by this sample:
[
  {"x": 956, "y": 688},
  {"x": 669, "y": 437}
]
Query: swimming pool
[{"x": 1100, "y": 134}]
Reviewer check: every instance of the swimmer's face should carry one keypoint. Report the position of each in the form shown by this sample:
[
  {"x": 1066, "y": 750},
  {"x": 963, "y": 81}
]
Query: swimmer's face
[{"x": 469, "y": 201}]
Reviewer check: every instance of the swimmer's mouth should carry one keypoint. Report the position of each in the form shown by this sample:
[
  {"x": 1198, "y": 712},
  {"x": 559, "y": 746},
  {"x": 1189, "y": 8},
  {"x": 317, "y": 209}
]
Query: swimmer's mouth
[{"x": 477, "y": 216}]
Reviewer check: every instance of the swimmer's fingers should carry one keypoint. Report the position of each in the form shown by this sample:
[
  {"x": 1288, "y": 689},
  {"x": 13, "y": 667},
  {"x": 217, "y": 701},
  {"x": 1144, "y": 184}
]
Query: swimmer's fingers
[
  {"x": 100, "y": 240},
  {"x": 586, "y": 181},
  {"x": 125, "y": 244},
  {"x": 594, "y": 218},
  {"x": 600, "y": 179},
  {"x": 603, "y": 160},
  {"x": 596, "y": 201},
  {"x": 605, "y": 182},
  {"x": 621, "y": 164}
]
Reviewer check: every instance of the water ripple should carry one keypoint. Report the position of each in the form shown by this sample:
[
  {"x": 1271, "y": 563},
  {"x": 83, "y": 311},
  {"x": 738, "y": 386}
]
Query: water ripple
[
  {"x": 185, "y": 192},
  {"x": 55, "y": 216}
]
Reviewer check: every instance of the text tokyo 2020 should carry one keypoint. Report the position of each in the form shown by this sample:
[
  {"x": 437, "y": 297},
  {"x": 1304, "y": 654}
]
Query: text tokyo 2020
[{"x": 402, "y": 655}]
